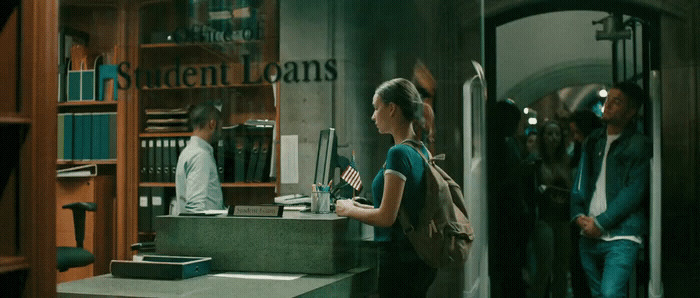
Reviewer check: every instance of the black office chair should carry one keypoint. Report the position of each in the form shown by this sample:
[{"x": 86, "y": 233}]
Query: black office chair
[{"x": 71, "y": 257}]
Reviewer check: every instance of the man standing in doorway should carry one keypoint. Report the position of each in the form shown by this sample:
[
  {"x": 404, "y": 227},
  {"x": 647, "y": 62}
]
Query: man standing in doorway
[
  {"x": 609, "y": 199},
  {"x": 197, "y": 184}
]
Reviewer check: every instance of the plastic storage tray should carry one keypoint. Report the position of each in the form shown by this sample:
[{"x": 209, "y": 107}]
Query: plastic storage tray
[{"x": 161, "y": 267}]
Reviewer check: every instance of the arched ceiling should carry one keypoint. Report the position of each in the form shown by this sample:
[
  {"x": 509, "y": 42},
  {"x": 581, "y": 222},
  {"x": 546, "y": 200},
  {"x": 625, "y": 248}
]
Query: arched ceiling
[
  {"x": 557, "y": 77},
  {"x": 503, "y": 11}
]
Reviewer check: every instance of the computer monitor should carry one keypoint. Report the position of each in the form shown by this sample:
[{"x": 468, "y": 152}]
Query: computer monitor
[{"x": 326, "y": 156}]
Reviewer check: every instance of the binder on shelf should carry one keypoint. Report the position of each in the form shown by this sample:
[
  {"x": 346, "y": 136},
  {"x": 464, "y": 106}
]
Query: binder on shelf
[
  {"x": 78, "y": 136},
  {"x": 151, "y": 160},
  {"x": 220, "y": 159},
  {"x": 262, "y": 160},
  {"x": 83, "y": 136},
  {"x": 220, "y": 15},
  {"x": 112, "y": 144},
  {"x": 69, "y": 136},
  {"x": 79, "y": 171},
  {"x": 157, "y": 204},
  {"x": 65, "y": 136},
  {"x": 158, "y": 160},
  {"x": 144, "y": 210},
  {"x": 100, "y": 136},
  {"x": 240, "y": 153},
  {"x": 229, "y": 136},
  {"x": 87, "y": 136},
  {"x": 253, "y": 160},
  {"x": 173, "y": 158},
  {"x": 261, "y": 130},
  {"x": 144, "y": 160},
  {"x": 166, "y": 161},
  {"x": 60, "y": 122},
  {"x": 95, "y": 136},
  {"x": 180, "y": 146}
]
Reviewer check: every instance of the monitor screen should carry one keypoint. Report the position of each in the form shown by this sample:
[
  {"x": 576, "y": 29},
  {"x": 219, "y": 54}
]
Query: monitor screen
[{"x": 324, "y": 156}]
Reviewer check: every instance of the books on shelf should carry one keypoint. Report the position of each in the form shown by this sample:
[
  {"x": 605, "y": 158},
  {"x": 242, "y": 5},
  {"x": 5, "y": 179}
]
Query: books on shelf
[
  {"x": 181, "y": 112},
  {"x": 87, "y": 136},
  {"x": 167, "y": 120}
]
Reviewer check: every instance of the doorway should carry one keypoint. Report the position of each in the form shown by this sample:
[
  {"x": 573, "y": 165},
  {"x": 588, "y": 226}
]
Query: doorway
[{"x": 550, "y": 61}]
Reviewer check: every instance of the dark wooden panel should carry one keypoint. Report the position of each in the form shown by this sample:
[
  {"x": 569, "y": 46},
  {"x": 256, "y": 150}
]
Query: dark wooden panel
[{"x": 8, "y": 65}]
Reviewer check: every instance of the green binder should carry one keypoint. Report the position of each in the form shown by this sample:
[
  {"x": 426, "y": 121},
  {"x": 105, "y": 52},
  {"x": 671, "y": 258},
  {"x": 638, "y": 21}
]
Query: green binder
[{"x": 144, "y": 210}]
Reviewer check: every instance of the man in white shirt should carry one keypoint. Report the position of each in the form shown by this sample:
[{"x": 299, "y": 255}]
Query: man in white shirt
[
  {"x": 609, "y": 198},
  {"x": 197, "y": 184}
]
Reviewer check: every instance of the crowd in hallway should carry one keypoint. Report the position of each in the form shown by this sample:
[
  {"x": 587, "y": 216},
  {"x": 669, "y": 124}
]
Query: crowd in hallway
[{"x": 560, "y": 226}]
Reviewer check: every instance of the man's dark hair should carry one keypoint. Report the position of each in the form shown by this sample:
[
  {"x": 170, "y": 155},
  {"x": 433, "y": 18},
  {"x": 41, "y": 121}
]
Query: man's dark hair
[
  {"x": 507, "y": 117},
  {"x": 203, "y": 113},
  {"x": 637, "y": 97},
  {"x": 586, "y": 121}
]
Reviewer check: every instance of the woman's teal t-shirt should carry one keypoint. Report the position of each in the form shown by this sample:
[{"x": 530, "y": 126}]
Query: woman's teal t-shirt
[{"x": 404, "y": 161}]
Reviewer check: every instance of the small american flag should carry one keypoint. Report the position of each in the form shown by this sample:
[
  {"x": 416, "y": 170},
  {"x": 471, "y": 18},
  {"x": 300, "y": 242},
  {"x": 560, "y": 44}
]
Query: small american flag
[{"x": 351, "y": 175}]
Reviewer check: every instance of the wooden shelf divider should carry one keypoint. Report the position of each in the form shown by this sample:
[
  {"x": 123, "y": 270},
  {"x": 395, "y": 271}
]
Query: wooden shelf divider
[
  {"x": 223, "y": 184},
  {"x": 88, "y": 103},
  {"x": 164, "y": 134},
  {"x": 15, "y": 120},
  {"x": 13, "y": 263},
  {"x": 86, "y": 162},
  {"x": 165, "y": 45}
]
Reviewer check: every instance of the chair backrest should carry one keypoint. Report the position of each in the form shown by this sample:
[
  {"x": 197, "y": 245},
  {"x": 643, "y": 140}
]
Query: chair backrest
[
  {"x": 71, "y": 257},
  {"x": 79, "y": 209}
]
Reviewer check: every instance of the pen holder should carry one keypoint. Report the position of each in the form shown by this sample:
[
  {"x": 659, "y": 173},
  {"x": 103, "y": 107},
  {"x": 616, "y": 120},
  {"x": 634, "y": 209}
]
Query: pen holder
[{"x": 320, "y": 202}]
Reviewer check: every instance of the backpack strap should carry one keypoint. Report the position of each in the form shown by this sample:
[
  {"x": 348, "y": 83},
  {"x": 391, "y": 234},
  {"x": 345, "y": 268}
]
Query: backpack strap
[
  {"x": 418, "y": 146},
  {"x": 406, "y": 225}
]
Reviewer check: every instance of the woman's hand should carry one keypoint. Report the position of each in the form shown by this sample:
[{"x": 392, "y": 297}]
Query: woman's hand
[{"x": 343, "y": 207}]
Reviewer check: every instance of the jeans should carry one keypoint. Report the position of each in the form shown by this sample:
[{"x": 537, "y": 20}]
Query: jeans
[{"x": 608, "y": 265}]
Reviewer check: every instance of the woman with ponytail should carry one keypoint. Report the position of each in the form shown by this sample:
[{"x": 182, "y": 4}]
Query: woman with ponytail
[{"x": 398, "y": 109}]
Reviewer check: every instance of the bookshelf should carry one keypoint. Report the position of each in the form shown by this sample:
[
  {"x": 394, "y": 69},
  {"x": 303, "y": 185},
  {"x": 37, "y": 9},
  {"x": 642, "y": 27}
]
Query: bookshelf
[
  {"x": 177, "y": 71},
  {"x": 27, "y": 129},
  {"x": 92, "y": 31}
]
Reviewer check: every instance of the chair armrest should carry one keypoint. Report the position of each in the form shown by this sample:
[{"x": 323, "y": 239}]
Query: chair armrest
[{"x": 85, "y": 206}]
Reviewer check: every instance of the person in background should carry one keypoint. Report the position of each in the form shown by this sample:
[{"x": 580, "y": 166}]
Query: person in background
[
  {"x": 197, "y": 184},
  {"x": 510, "y": 216},
  {"x": 531, "y": 147},
  {"x": 581, "y": 124},
  {"x": 397, "y": 109},
  {"x": 426, "y": 85},
  {"x": 609, "y": 198},
  {"x": 551, "y": 184}
]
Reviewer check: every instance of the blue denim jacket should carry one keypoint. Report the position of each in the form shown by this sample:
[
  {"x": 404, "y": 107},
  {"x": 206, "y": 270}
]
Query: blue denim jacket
[{"x": 627, "y": 182}]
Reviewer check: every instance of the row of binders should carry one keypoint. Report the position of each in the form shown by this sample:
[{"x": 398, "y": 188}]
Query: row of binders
[
  {"x": 243, "y": 154},
  {"x": 152, "y": 202},
  {"x": 159, "y": 158},
  {"x": 87, "y": 136}
]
